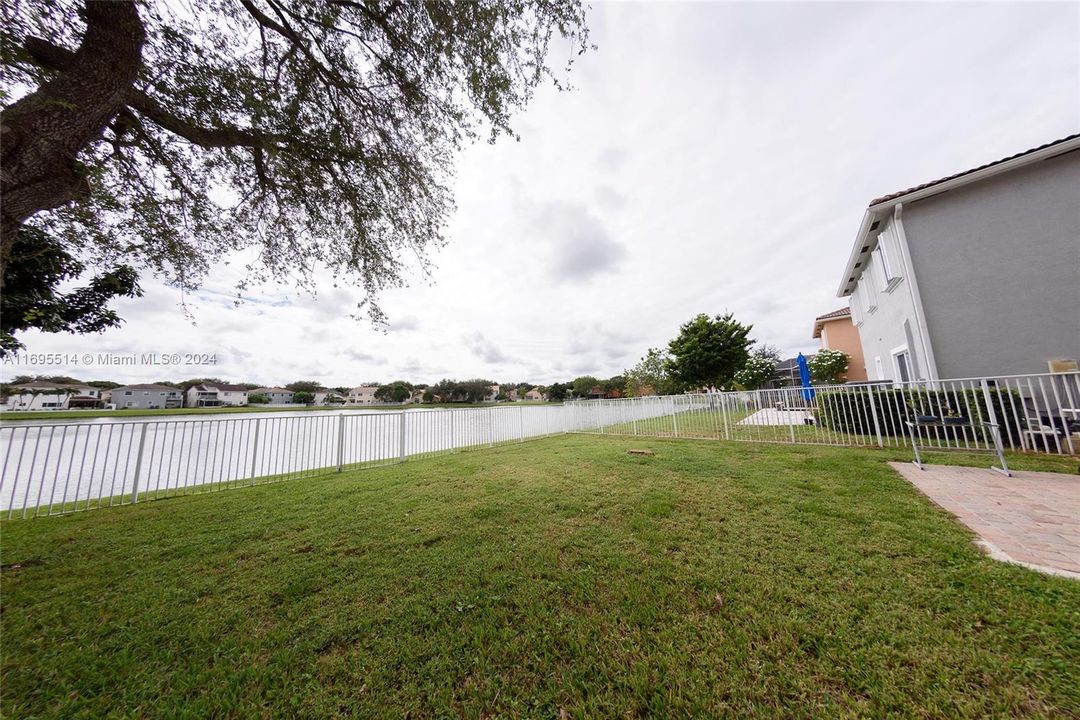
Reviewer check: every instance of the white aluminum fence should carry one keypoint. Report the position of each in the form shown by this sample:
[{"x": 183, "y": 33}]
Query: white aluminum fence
[
  {"x": 1035, "y": 413},
  {"x": 51, "y": 469}
]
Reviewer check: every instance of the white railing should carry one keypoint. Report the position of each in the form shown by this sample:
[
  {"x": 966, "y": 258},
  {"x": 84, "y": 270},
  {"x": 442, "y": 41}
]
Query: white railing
[
  {"x": 1033, "y": 413},
  {"x": 56, "y": 468}
]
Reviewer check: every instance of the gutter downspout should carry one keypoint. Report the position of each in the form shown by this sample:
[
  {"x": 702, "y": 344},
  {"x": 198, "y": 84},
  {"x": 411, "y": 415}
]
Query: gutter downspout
[{"x": 913, "y": 292}]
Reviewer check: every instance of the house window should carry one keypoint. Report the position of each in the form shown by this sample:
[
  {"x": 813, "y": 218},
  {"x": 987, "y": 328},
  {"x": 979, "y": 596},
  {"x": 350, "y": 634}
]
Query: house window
[
  {"x": 885, "y": 261},
  {"x": 902, "y": 360},
  {"x": 127, "y": 392}
]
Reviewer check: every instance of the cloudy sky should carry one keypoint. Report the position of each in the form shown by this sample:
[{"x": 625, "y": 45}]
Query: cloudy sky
[{"x": 712, "y": 157}]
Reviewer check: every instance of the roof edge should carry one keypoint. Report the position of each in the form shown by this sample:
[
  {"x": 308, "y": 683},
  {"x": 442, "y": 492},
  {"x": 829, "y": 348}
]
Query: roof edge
[{"x": 886, "y": 204}]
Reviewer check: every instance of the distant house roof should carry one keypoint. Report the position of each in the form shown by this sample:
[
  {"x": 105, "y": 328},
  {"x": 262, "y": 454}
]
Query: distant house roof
[
  {"x": 820, "y": 320},
  {"x": 147, "y": 386},
  {"x": 266, "y": 390},
  {"x": 866, "y": 242},
  {"x": 42, "y": 385},
  {"x": 231, "y": 388}
]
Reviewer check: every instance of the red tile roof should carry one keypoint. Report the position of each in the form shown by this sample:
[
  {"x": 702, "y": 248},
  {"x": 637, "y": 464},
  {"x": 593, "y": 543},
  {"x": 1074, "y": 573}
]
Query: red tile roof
[{"x": 820, "y": 320}]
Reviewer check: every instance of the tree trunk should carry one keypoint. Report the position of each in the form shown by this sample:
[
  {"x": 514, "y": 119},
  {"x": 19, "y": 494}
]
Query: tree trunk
[{"x": 43, "y": 133}]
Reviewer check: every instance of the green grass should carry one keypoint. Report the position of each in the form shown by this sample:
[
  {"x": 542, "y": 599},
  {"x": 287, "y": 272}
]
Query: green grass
[{"x": 557, "y": 576}]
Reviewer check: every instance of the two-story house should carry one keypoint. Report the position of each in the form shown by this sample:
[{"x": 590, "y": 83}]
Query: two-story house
[
  {"x": 40, "y": 395},
  {"x": 146, "y": 397},
  {"x": 362, "y": 395},
  {"x": 837, "y": 332},
  {"x": 214, "y": 395},
  {"x": 975, "y": 274},
  {"x": 276, "y": 395}
]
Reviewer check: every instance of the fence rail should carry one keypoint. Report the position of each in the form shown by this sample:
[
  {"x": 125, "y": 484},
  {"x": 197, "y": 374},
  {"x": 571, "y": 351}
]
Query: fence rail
[
  {"x": 1033, "y": 413},
  {"x": 50, "y": 469},
  {"x": 57, "y": 468}
]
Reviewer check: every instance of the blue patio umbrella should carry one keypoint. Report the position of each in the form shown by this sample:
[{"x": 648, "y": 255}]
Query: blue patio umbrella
[{"x": 804, "y": 376}]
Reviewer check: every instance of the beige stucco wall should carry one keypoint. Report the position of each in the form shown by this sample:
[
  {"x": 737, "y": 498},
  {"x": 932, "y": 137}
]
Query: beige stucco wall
[{"x": 842, "y": 335}]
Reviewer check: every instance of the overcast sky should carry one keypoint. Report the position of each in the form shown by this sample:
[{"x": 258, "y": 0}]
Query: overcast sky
[{"x": 712, "y": 157}]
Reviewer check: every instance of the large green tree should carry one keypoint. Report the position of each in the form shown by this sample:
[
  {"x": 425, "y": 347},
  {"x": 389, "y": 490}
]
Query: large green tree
[
  {"x": 317, "y": 134},
  {"x": 396, "y": 392},
  {"x": 651, "y": 375},
  {"x": 709, "y": 351}
]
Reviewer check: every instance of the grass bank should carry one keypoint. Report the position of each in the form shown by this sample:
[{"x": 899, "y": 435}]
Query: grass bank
[{"x": 555, "y": 578}]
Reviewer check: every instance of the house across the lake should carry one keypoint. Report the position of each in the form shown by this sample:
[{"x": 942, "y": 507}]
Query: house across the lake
[
  {"x": 146, "y": 397},
  {"x": 276, "y": 395},
  {"x": 975, "y": 274},
  {"x": 40, "y": 395},
  {"x": 216, "y": 395}
]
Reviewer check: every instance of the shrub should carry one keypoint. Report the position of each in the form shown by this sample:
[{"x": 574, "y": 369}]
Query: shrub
[
  {"x": 828, "y": 366},
  {"x": 848, "y": 411}
]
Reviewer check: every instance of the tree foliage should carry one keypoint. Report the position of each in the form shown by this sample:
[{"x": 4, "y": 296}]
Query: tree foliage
[
  {"x": 303, "y": 397},
  {"x": 310, "y": 386},
  {"x": 755, "y": 373},
  {"x": 471, "y": 391},
  {"x": 651, "y": 376},
  {"x": 31, "y": 296},
  {"x": 557, "y": 392},
  {"x": 318, "y": 135},
  {"x": 759, "y": 368},
  {"x": 828, "y": 366},
  {"x": 709, "y": 351},
  {"x": 395, "y": 392},
  {"x": 258, "y": 399}
]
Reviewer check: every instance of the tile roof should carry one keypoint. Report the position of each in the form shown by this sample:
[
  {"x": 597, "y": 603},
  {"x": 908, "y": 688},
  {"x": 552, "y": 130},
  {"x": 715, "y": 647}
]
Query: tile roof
[
  {"x": 147, "y": 386},
  {"x": 923, "y": 186},
  {"x": 820, "y": 320}
]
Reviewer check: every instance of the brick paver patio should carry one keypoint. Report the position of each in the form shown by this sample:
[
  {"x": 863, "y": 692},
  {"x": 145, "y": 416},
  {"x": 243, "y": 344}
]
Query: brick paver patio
[{"x": 1032, "y": 518}]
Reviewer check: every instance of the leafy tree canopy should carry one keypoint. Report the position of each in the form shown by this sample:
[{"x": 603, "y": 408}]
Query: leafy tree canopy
[
  {"x": 651, "y": 376},
  {"x": 558, "y": 391},
  {"x": 396, "y": 392},
  {"x": 709, "y": 351},
  {"x": 311, "y": 386},
  {"x": 583, "y": 385},
  {"x": 318, "y": 135},
  {"x": 303, "y": 397},
  {"x": 31, "y": 296}
]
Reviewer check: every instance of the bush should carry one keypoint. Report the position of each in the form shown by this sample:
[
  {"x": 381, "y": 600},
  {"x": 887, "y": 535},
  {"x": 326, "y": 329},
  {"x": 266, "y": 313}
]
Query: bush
[
  {"x": 258, "y": 399},
  {"x": 848, "y": 411}
]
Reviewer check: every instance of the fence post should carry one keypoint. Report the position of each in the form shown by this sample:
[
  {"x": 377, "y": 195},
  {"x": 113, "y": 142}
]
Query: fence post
[
  {"x": 401, "y": 439},
  {"x": 990, "y": 412},
  {"x": 521, "y": 422},
  {"x": 138, "y": 464},
  {"x": 873, "y": 413},
  {"x": 340, "y": 442},
  {"x": 255, "y": 447},
  {"x": 674, "y": 423}
]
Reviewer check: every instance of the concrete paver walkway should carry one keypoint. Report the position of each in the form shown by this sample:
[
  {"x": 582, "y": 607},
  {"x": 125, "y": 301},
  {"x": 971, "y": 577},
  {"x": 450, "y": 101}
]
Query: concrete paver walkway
[{"x": 1032, "y": 518}]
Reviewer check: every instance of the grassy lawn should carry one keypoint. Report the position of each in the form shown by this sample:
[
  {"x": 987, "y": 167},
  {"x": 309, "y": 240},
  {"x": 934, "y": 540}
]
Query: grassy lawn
[{"x": 557, "y": 578}]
